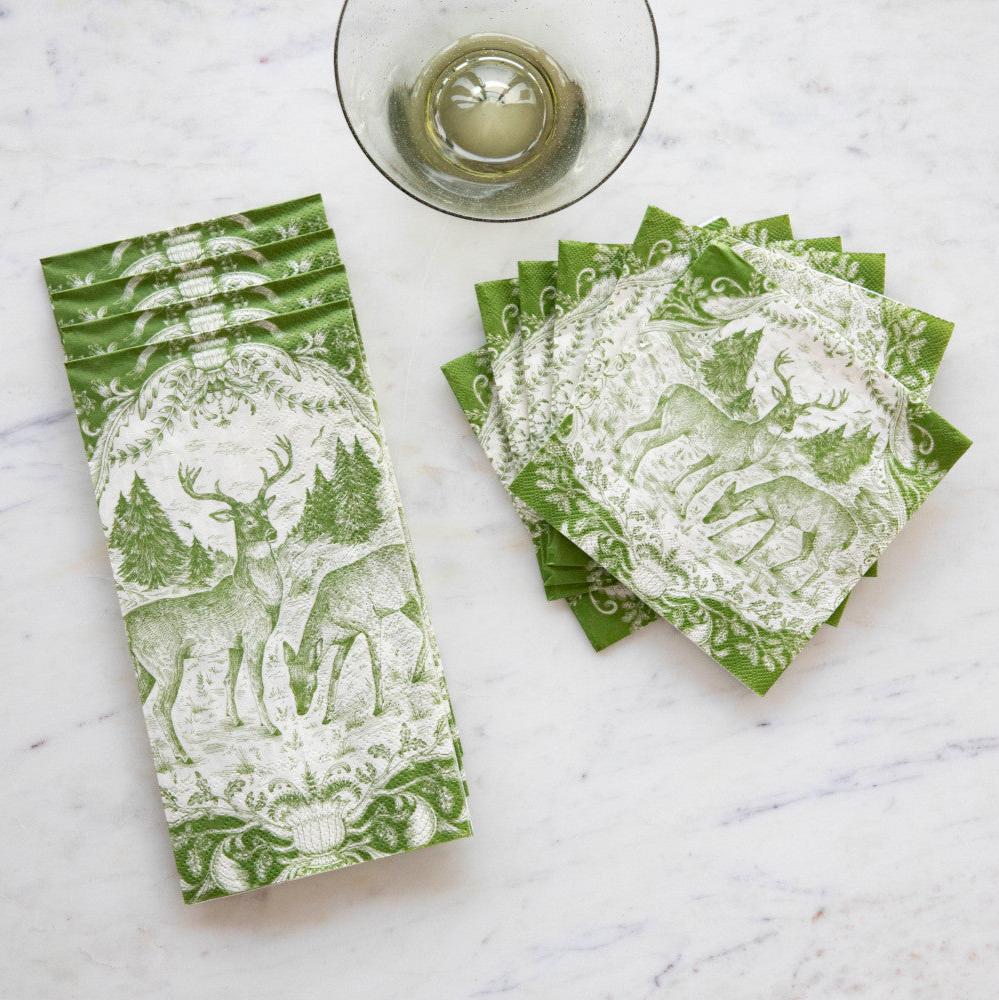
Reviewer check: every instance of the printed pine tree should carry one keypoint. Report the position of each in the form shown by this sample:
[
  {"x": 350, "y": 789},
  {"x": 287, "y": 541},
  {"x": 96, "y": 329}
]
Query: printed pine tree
[
  {"x": 727, "y": 370},
  {"x": 200, "y": 564},
  {"x": 153, "y": 553},
  {"x": 222, "y": 562},
  {"x": 319, "y": 513},
  {"x": 356, "y": 483},
  {"x": 345, "y": 507},
  {"x": 835, "y": 456},
  {"x": 118, "y": 533}
]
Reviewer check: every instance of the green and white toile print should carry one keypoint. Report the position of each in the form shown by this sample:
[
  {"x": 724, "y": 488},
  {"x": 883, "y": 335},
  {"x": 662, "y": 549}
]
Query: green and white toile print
[
  {"x": 231, "y": 272},
  {"x": 499, "y": 310},
  {"x": 661, "y": 252},
  {"x": 588, "y": 278},
  {"x": 906, "y": 342},
  {"x": 633, "y": 280},
  {"x": 205, "y": 315},
  {"x": 743, "y": 514},
  {"x": 518, "y": 313},
  {"x": 471, "y": 378},
  {"x": 607, "y": 611},
  {"x": 185, "y": 245},
  {"x": 564, "y": 567},
  {"x": 644, "y": 273},
  {"x": 291, "y": 682},
  {"x": 538, "y": 309}
]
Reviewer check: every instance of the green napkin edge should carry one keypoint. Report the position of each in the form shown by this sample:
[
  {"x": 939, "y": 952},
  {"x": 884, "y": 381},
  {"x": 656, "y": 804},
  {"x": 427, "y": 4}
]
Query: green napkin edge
[
  {"x": 499, "y": 309},
  {"x": 949, "y": 444},
  {"x": 535, "y": 278},
  {"x": 323, "y": 286},
  {"x": 58, "y": 267},
  {"x": 125, "y": 289}
]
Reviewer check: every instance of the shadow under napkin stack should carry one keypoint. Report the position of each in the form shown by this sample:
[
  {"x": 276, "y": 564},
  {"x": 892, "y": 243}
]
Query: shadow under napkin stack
[
  {"x": 291, "y": 681},
  {"x": 721, "y": 426}
]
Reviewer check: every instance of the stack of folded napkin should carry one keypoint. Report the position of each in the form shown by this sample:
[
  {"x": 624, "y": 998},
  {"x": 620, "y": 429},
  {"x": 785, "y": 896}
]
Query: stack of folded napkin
[
  {"x": 722, "y": 426},
  {"x": 291, "y": 681}
]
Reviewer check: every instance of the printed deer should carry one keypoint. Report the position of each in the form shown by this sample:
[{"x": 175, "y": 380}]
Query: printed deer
[
  {"x": 826, "y": 526},
  {"x": 238, "y": 614},
  {"x": 731, "y": 444},
  {"x": 350, "y": 602}
]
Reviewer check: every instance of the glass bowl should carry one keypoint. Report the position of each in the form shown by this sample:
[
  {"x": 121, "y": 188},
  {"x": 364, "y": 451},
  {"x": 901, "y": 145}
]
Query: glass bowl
[{"x": 586, "y": 83}]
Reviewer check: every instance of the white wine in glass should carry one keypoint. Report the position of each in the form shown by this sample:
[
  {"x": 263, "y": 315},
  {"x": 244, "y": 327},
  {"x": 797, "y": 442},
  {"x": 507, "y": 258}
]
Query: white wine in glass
[{"x": 492, "y": 108}]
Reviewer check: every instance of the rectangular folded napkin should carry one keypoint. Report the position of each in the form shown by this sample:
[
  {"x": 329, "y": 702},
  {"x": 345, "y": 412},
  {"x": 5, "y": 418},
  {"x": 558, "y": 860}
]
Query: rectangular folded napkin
[
  {"x": 205, "y": 315},
  {"x": 292, "y": 686},
  {"x": 738, "y": 463},
  {"x": 184, "y": 245},
  {"x": 229, "y": 272}
]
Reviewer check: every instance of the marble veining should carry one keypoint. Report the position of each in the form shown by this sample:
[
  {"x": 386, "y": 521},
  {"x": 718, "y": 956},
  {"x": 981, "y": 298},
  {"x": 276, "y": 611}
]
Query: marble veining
[{"x": 645, "y": 827}]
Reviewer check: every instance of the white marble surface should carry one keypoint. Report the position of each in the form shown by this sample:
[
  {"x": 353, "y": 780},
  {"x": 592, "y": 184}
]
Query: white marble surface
[{"x": 646, "y": 827}]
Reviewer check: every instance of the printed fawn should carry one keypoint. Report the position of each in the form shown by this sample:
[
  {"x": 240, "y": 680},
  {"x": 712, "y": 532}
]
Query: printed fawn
[
  {"x": 353, "y": 601},
  {"x": 826, "y": 526},
  {"x": 731, "y": 444},
  {"x": 238, "y": 614}
]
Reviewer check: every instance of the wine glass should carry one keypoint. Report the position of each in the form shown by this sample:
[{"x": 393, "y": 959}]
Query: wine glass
[{"x": 496, "y": 111}]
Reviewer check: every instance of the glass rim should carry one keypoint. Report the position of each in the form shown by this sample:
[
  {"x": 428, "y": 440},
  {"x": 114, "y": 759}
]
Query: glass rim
[{"x": 479, "y": 218}]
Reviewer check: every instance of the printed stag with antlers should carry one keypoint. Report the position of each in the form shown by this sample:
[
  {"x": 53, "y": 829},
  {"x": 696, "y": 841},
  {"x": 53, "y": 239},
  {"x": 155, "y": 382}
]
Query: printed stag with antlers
[
  {"x": 730, "y": 444},
  {"x": 237, "y": 615}
]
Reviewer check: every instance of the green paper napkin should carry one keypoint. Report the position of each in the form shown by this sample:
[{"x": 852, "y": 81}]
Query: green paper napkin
[
  {"x": 291, "y": 681},
  {"x": 719, "y": 511},
  {"x": 205, "y": 315},
  {"x": 609, "y": 612},
  {"x": 185, "y": 245},
  {"x": 499, "y": 308},
  {"x": 184, "y": 283},
  {"x": 668, "y": 238},
  {"x": 606, "y": 611},
  {"x": 538, "y": 308},
  {"x": 472, "y": 380}
]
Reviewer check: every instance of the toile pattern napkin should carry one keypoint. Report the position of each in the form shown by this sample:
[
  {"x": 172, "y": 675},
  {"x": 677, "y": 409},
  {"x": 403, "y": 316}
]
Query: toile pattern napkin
[
  {"x": 290, "y": 679},
  {"x": 832, "y": 375}
]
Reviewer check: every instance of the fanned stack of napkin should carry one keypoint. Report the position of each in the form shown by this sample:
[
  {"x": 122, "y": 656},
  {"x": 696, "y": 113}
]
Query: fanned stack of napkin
[{"x": 723, "y": 426}]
